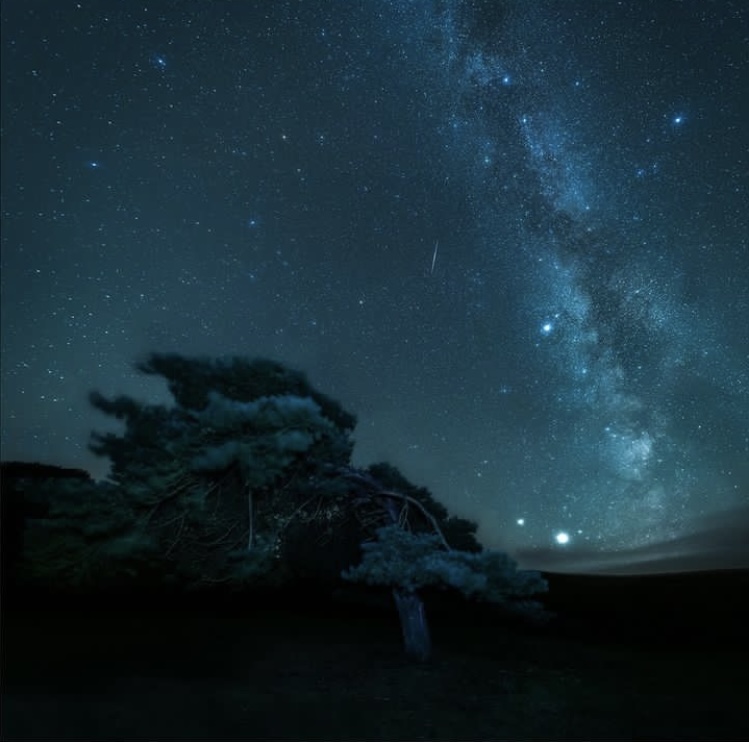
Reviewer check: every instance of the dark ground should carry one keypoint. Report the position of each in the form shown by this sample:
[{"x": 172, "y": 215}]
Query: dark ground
[{"x": 655, "y": 658}]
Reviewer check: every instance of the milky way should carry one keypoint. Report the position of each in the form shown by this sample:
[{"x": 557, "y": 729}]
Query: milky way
[
  {"x": 511, "y": 237},
  {"x": 631, "y": 376}
]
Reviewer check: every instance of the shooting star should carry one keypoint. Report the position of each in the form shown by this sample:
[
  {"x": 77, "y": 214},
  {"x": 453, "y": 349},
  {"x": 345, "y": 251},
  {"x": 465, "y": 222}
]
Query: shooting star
[{"x": 434, "y": 256}]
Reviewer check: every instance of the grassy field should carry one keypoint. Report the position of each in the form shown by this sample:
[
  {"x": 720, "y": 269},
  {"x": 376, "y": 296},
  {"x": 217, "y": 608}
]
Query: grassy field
[{"x": 337, "y": 672}]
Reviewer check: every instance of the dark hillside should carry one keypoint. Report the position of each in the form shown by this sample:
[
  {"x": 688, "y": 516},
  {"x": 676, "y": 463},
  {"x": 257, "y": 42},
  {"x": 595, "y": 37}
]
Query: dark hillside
[{"x": 695, "y": 607}]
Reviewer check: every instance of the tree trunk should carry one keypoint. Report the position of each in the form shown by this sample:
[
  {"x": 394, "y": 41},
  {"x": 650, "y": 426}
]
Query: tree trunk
[{"x": 416, "y": 638}]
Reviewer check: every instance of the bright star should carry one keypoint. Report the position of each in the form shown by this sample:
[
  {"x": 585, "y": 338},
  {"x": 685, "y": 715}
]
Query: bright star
[
  {"x": 562, "y": 538},
  {"x": 520, "y": 521}
]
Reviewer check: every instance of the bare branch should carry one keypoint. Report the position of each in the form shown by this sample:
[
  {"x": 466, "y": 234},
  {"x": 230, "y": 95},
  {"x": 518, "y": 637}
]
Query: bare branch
[
  {"x": 298, "y": 510},
  {"x": 375, "y": 490},
  {"x": 421, "y": 508},
  {"x": 177, "y": 537},
  {"x": 251, "y": 518},
  {"x": 220, "y": 539}
]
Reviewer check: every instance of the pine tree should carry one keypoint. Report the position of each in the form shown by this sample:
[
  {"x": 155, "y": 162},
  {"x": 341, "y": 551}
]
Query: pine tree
[
  {"x": 410, "y": 552},
  {"x": 247, "y": 478},
  {"x": 216, "y": 479}
]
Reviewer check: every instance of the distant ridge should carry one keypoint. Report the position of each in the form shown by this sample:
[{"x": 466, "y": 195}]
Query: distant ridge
[{"x": 705, "y": 606}]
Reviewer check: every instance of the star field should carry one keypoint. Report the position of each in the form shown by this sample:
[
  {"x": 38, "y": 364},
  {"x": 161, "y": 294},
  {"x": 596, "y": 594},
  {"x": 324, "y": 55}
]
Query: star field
[{"x": 511, "y": 237}]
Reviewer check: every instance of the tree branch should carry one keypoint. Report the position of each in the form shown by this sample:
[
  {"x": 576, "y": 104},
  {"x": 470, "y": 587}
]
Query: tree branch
[
  {"x": 251, "y": 518},
  {"x": 375, "y": 490}
]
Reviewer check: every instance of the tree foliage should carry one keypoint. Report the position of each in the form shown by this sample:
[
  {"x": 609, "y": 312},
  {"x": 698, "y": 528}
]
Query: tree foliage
[
  {"x": 215, "y": 479},
  {"x": 86, "y": 535},
  {"x": 411, "y": 561},
  {"x": 192, "y": 379},
  {"x": 459, "y": 532},
  {"x": 27, "y": 499},
  {"x": 246, "y": 478}
]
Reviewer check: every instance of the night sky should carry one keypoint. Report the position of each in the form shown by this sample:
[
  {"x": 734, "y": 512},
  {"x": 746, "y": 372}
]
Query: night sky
[{"x": 511, "y": 237}]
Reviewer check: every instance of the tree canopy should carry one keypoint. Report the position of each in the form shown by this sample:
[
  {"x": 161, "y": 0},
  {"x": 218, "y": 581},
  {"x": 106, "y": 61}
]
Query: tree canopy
[
  {"x": 247, "y": 478},
  {"x": 216, "y": 478}
]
